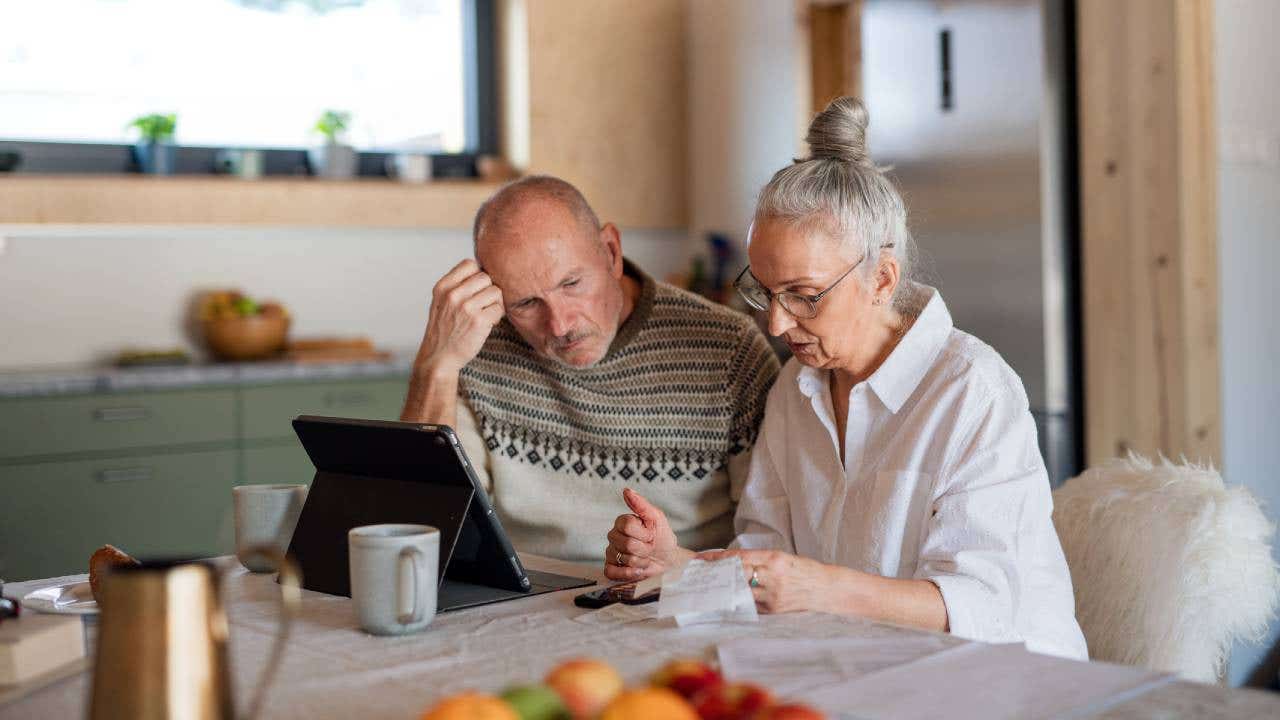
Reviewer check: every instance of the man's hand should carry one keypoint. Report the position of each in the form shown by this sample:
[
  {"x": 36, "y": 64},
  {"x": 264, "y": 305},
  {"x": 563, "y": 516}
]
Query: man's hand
[
  {"x": 465, "y": 305},
  {"x": 641, "y": 544}
]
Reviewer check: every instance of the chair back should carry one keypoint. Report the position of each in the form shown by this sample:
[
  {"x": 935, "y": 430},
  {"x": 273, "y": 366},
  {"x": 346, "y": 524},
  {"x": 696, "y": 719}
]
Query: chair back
[{"x": 1169, "y": 565}]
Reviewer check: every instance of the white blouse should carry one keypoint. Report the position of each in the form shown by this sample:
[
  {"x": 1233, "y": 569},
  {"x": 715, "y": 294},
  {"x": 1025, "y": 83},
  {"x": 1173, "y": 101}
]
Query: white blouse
[{"x": 942, "y": 480}]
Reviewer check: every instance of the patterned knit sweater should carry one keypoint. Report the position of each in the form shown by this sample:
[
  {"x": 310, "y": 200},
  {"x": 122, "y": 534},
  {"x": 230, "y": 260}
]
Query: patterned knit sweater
[{"x": 670, "y": 411}]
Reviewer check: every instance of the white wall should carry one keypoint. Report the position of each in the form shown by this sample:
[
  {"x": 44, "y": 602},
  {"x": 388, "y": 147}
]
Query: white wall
[
  {"x": 1248, "y": 106},
  {"x": 75, "y": 295}
]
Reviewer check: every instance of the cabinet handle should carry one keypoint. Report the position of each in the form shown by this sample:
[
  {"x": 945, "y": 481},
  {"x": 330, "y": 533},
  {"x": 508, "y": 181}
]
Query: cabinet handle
[
  {"x": 133, "y": 474},
  {"x": 347, "y": 398},
  {"x": 121, "y": 414}
]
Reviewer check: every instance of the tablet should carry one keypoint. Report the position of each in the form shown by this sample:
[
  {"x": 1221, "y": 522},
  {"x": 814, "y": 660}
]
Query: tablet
[{"x": 370, "y": 472}]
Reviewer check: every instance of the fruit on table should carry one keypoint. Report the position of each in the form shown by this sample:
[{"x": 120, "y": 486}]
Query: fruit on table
[
  {"x": 790, "y": 711},
  {"x": 585, "y": 685},
  {"x": 732, "y": 701},
  {"x": 686, "y": 677},
  {"x": 649, "y": 703},
  {"x": 246, "y": 307},
  {"x": 471, "y": 706},
  {"x": 536, "y": 702}
]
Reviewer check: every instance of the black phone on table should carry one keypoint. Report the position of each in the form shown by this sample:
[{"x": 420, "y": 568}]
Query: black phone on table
[{"x": 621, "y": 593}]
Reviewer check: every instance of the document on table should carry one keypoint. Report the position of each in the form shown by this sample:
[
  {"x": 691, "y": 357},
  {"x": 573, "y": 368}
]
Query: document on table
[
  {"x": 991, "y": 682},
  {"x": 619, "y": 614},
  {"x": 794, "y": 668},
  {"x": 702, "y": 591}
]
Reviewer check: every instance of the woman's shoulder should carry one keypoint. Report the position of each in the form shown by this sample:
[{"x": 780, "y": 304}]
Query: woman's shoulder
[{"x": 966, "y": 363}]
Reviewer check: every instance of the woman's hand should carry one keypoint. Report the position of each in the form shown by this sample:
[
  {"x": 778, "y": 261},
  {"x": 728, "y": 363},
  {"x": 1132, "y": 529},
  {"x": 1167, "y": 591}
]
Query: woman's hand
[
  {"x": 784, "y": 582},
  {"x": 641, "y": 543}
]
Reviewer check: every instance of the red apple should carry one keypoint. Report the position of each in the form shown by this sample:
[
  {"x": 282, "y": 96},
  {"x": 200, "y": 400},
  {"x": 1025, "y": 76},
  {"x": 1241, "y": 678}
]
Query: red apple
[
  {"x": 734, "y": 701},
  {"x": 585, "y": 685},
  {"x": 791, "y": 711},
  {"x": 686, "y": 677}
]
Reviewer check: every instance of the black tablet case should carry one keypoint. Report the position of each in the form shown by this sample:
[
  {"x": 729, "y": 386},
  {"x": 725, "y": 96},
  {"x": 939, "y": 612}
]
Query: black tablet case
[{"x": 374, "y": 472}]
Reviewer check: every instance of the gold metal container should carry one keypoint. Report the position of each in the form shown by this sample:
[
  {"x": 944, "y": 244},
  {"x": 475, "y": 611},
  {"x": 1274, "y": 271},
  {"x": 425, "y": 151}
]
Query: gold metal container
[{"x": 162, "y": 642}]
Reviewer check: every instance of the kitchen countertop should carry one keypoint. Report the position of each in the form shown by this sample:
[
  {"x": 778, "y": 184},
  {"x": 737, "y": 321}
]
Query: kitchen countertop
[{"x": 85, "y": 380}]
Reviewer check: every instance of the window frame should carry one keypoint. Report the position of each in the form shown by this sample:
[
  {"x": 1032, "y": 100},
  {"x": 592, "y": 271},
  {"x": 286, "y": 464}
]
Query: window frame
[{"x": 481, "y": 122}]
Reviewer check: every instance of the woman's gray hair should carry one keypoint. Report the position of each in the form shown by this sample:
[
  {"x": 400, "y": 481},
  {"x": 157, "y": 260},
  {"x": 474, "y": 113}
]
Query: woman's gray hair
[{"x": 839, "y": 190}]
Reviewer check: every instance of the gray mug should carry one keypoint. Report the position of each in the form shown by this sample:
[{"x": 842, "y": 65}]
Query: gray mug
[
  {"x": 394, "y": 576},
  {"x": 265, "y": 515}
]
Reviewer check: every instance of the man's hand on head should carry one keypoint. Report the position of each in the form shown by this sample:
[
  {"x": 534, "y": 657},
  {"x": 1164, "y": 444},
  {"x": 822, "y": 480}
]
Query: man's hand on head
[{"x": 465, "y": 305}]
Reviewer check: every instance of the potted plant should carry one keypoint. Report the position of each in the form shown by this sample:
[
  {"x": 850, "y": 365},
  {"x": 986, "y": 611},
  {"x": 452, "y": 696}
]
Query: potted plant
[
  {"x": 333, "y": 159},
  {"x": 154, "y": 150}
]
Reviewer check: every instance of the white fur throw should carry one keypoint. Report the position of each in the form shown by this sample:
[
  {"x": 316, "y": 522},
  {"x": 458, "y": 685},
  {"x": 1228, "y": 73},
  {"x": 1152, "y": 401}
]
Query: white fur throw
[{"x": 1169, "y": 566}]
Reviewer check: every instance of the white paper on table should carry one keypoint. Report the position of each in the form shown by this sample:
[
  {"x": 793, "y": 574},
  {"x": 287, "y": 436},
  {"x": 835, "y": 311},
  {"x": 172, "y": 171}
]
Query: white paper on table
[
  {"x": 619, "y": 614},
  {"x": 990, "y": 682},
  {"x": 792, "y": 668},
  {"x": 701, "y": 591}
]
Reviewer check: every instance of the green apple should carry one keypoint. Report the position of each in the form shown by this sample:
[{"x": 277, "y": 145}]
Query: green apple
[
  {"x": 536, "y": 702},
  {"x": 246, "y": 307}
]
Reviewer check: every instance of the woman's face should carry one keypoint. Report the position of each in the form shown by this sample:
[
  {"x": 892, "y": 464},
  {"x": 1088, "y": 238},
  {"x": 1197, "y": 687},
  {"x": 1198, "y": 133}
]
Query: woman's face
[{"x": 788, "y": 258}]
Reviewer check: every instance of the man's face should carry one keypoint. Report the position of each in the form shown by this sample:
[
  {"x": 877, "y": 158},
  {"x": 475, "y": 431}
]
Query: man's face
[{"x": 560, "y": 280}]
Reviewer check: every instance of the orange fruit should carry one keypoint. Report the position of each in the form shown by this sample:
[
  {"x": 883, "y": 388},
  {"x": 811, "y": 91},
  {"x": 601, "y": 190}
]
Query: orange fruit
[
  {"x": 471, "y": 706},
  {"x": 647, "y": 704}
]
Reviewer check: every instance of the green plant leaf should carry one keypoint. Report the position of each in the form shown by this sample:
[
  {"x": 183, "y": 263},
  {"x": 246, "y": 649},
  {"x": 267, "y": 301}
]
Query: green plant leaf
[
  {"x": 332, "y": 123},
  {"x": 155, "y": 127}
]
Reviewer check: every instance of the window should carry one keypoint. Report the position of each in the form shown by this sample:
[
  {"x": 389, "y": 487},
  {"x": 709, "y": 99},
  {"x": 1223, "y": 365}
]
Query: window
[{"x": 413, "y": 74}]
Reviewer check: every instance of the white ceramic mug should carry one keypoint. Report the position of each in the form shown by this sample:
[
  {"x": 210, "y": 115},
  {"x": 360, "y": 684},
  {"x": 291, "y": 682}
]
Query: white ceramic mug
[
  {"x": 265, "y": 515},
  {"x": 394, "y": 575}
]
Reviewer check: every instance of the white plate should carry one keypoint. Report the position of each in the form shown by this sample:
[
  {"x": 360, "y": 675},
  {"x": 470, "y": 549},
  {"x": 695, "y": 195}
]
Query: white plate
[{"x": 73, "y": 598}]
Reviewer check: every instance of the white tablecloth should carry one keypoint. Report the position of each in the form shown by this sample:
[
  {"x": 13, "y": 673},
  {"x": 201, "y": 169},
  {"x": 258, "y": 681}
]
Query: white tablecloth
[{"x": 334, "y": 670}]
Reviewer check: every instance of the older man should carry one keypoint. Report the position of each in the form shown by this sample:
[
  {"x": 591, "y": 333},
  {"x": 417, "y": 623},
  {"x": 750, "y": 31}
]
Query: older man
[{"x": 569, "y": 374}]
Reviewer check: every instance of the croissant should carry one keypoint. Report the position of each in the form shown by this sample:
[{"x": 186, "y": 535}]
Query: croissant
[{"x": 101, "y": 562}]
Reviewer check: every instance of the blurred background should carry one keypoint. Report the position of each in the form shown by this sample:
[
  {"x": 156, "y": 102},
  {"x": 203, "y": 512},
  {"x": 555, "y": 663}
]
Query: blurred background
[{"x": 1093, "y": 186}]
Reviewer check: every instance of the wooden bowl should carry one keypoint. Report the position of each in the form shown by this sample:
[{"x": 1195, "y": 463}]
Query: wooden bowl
[{"x": 246, "y": 338}]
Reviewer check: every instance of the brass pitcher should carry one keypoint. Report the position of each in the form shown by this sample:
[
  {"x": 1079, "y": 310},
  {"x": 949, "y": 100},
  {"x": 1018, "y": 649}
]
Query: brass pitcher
[{"x": 162, "y": 642}]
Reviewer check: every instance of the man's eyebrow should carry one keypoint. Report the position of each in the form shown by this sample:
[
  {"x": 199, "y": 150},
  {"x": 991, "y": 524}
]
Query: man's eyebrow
[{"x": 573, "y": 273}]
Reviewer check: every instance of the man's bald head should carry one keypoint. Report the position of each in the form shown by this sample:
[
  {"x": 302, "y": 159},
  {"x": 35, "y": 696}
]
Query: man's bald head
[
  {"x": 560, "y": 271},
  {"x": 536, "y": 193}
]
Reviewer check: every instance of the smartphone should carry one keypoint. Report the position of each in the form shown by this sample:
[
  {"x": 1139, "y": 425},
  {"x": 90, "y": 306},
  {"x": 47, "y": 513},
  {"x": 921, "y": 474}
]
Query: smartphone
[{"x": 622, "y": 593}]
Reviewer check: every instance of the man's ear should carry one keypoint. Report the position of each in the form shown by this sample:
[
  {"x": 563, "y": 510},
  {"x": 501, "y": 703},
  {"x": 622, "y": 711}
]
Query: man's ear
[{"x": 612, "y": 241}]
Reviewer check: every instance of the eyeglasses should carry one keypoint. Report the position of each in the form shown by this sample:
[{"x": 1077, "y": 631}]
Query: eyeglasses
[{"x": 802, "y": 306}]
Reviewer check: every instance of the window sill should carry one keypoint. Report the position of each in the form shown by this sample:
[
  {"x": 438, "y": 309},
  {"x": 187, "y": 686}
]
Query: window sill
[{"x": 211, "y": 200}]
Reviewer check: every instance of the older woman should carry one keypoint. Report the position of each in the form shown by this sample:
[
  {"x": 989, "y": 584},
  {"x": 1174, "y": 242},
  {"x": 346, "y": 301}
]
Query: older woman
[{"x": 897, "y": 475}]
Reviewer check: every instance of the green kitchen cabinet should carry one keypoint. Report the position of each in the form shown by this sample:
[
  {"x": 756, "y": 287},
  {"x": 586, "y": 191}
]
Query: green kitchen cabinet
[
  {"x": 266, "y": 411},
  {"x": 151, "y": 472},
  {"x": 44, "y": 426},
  {"x": 283, "y": 464},
  {"x": 55, "y": 514}
]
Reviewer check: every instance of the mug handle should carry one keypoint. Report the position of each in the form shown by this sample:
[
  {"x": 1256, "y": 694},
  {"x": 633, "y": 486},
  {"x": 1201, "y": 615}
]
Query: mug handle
[
  {"x": 414, "y": 556},
  {"x": 290, "y": 580}
]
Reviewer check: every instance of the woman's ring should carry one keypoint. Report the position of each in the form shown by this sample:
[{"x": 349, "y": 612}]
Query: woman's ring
[
  {"x": 755, "y": 578},
  {"x": 618, "y": 560}
]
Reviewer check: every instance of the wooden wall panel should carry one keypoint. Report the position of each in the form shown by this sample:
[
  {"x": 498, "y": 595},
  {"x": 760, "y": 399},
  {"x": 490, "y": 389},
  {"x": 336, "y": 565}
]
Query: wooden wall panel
[
  {"x": 210, "y": 200},
  {"x": 1149, "y": 241},
  {"x": 607, "y": 99},
  {"x": 835, "y": 50}
]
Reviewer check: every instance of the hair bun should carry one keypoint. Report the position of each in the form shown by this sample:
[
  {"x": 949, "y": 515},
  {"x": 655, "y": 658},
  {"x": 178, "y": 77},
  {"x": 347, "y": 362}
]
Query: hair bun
[{"x": 839, "y": 132}]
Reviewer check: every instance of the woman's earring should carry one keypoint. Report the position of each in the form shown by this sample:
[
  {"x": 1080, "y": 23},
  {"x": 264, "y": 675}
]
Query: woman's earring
[{"x": 878, "y": 301}]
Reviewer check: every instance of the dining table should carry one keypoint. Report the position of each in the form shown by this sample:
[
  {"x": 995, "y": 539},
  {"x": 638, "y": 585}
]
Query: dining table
[{"x": 332, "y": 669}]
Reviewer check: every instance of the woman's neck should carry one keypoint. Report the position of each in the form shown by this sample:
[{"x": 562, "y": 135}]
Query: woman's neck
[{"x": 887, "y": 332}]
